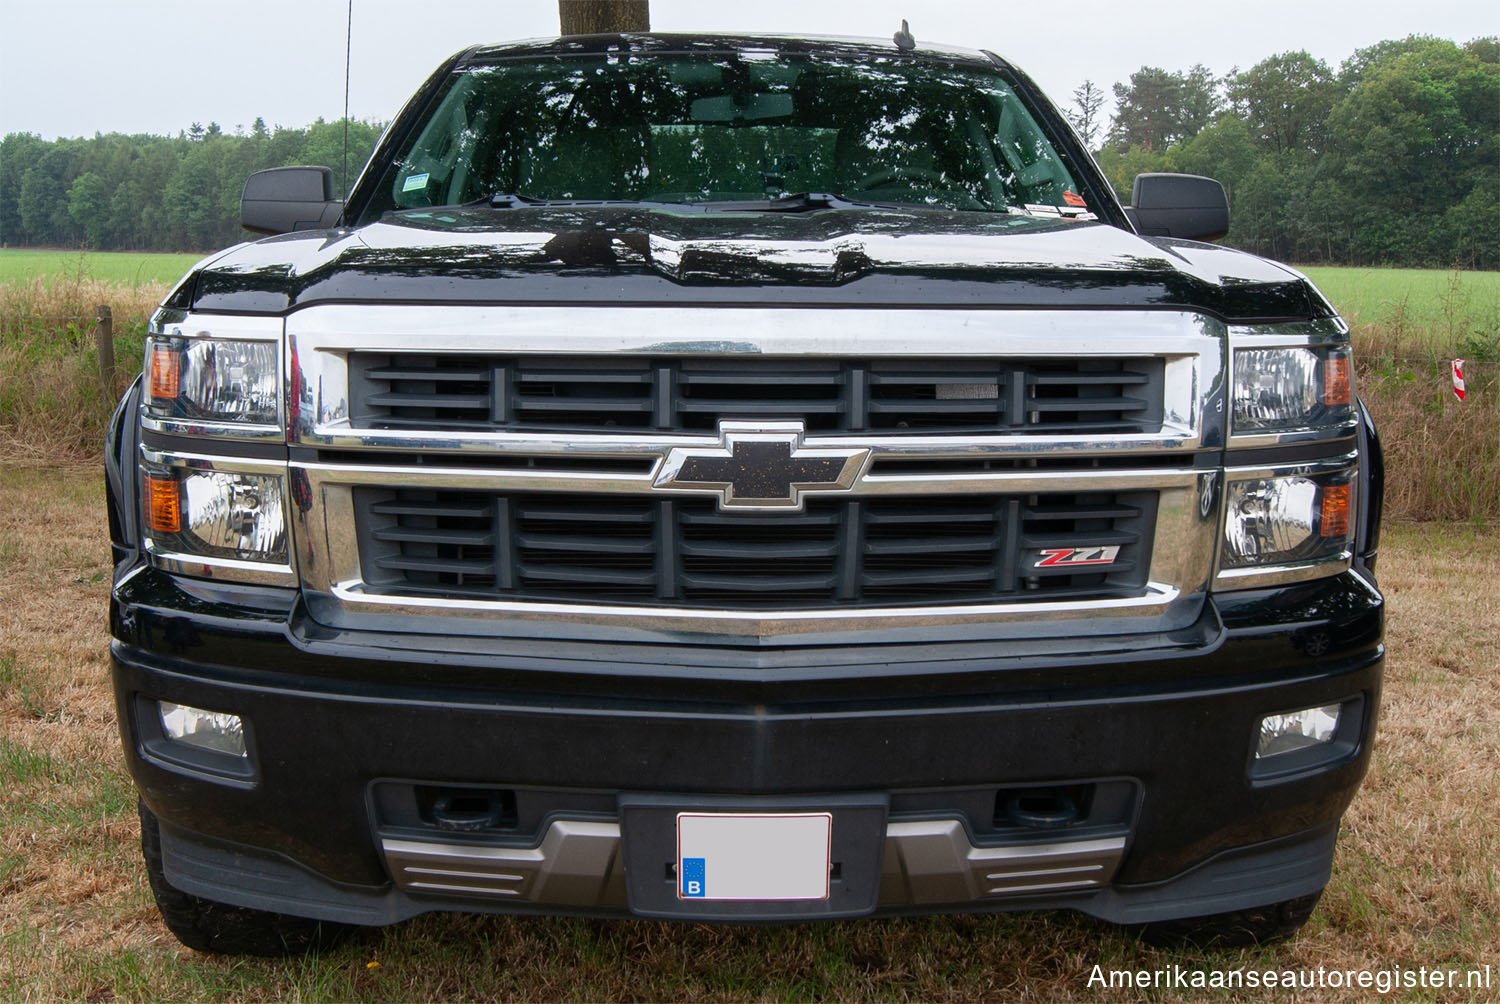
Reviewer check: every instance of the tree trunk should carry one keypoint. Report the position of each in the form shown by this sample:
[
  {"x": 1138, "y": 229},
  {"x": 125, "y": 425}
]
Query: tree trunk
[{"x": 595, "y": 17}]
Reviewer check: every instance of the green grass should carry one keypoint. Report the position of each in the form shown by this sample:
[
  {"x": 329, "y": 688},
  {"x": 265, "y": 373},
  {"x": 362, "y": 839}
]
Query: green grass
[
  {"x": 129, "y": 267},
  {"x": 1447, "y": 307}
]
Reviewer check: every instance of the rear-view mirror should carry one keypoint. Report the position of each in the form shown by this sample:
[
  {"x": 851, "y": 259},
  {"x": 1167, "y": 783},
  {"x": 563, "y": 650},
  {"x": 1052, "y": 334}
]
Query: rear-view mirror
[{"x": 731, "y": 107}]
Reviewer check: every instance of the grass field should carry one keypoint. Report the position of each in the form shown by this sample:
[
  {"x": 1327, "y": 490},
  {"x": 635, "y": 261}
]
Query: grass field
[
  {"x": 1436, "y": 306},
  {"x": 1414, "y": 882},
  {"x": 129, "y": 268}
]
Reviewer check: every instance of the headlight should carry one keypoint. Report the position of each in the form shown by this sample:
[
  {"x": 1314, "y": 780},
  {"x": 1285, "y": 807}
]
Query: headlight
[
  {"x": 211, "y": 380},
  {"x": 1289, "y": 389},
  {"x": 1279, "y": 521},
  {"x": 216, "y": 514}
]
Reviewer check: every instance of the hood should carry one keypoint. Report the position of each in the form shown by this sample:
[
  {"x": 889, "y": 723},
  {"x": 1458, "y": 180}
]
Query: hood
[{"x": 636, "y": 254}]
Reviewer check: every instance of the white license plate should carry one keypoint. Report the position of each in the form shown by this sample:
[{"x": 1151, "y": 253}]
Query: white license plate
[{"x": 753, "y": 856}]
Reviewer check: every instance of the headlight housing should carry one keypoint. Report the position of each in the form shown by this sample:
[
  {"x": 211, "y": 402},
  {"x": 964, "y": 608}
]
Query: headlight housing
[
  {"x": 214, "y": 380},
  {"x": 1297, "y": 525},
  {"x": 1291, "y": 389},
  {"x": 216, "y": 514}
]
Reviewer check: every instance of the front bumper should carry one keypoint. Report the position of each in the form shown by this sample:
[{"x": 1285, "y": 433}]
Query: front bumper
[{"x": 348, "y": 733}]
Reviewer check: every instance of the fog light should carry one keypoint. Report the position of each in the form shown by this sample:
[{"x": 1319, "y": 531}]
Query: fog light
[
  {"x": 209, "y": 730},
  {"x": 1298, "y": 730}
]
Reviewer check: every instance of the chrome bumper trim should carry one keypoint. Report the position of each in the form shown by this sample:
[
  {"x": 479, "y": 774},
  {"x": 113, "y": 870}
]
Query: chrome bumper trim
[
  {"x": 578, "y": 864},
  {"x": 932, "y": 861}
]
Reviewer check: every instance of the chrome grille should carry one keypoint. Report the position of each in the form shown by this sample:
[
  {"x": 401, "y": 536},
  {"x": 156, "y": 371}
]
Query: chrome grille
[
  {"x": 589, "y": 547},
  {"x": 464, "y": 392}
]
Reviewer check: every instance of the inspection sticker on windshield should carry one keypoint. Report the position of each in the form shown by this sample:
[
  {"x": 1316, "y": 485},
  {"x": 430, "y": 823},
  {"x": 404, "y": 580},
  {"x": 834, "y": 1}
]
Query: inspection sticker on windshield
[
  {"x": 414, "y": 182},
  {"x": 753, "y": 856}
]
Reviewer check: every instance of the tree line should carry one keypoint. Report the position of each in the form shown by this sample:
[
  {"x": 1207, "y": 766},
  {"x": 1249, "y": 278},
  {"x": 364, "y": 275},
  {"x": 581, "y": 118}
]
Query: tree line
[
  {"x": 155, "y": 193},
  {"x": 1392, "y": 159}
]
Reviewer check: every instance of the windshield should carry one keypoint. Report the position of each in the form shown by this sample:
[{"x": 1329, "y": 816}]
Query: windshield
[{"x": 727, "y": 127}]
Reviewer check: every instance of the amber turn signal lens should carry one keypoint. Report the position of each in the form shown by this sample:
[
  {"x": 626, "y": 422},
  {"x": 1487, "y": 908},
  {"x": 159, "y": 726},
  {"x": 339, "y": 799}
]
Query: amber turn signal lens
[
  {"x": 164, "y": 511},
  {"x": 1334, "y": 521},
  {"x": 165, "y": 367},
  {"x": 1336, "y": 380}
]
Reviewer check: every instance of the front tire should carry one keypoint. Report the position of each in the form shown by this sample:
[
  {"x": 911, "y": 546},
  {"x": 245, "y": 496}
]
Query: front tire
[{"x": 218, "y": 928}]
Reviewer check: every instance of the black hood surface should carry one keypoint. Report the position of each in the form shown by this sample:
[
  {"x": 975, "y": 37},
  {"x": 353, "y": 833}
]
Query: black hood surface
[{"x": 610, "y": 254}]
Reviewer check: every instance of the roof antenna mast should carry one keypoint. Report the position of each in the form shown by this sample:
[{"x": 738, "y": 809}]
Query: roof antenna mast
[
  {"x": 348, "y": 46},
  {"x": 903, "y": 38}
]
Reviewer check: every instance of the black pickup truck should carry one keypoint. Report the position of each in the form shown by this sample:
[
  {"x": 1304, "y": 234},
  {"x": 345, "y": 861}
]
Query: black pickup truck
[{"x": 740, "y": 479}]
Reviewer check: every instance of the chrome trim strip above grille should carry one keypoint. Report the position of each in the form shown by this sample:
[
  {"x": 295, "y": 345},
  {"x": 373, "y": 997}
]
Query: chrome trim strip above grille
[
  {"x": 523, "y": 479},
  {"x": 321, "y": 338}
]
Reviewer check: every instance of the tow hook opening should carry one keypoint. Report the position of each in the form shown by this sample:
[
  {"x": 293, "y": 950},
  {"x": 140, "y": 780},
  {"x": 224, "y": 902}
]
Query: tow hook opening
[
  {"x": 1042, "y": 808},
  {"x": 467, "y": 810}
]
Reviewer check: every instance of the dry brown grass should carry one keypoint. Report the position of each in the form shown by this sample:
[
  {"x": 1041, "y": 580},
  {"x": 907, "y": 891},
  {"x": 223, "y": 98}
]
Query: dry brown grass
[
  {"x": 1442, "y": 454},
  {"x": 52, "y": 403},
  {"x": 1415, "y": 881}
]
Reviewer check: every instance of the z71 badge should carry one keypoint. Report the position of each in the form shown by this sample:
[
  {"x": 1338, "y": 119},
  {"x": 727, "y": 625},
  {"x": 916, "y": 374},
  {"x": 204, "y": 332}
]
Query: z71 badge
[{"x": 1102, "y": 555}]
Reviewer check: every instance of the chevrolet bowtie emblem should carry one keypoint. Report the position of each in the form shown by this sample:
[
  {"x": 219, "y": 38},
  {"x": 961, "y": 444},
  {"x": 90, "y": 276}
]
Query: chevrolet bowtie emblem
[{"x": 760, "y": 465}]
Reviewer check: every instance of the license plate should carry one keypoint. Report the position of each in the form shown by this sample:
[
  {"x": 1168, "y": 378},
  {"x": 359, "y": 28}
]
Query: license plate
[{"x": 753, "y": 856}]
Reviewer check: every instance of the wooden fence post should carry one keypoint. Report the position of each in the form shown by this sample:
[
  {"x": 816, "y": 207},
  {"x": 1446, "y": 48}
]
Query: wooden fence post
[{"x": 104, "y": 336}]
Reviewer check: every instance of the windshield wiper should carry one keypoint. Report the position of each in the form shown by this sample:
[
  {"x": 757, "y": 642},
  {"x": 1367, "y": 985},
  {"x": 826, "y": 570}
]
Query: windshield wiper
[
  {"x": 800, "y": 202},
  {"x": 797, "y": 202},
  {"x": 515, "y": 200}
]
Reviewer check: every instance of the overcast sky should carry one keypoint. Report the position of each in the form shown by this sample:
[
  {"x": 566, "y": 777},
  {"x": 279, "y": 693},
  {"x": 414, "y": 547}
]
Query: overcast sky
[{"x": 76, "y": 67}]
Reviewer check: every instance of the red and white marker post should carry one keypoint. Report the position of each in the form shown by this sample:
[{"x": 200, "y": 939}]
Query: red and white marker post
[{"x": 1458, "y": 378}]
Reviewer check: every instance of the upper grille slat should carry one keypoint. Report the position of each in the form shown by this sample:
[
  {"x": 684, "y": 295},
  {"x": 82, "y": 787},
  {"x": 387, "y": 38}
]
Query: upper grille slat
[
  {"x": 930, "y": 545},
  {"x": 398, "y": 399},
  {"x": 1066, "y": 379},
  {"x": 487, "y": 393},
  {"x": 458, "y": 538},
  {"x": 757, "y": 549},
  {"x": 586, "y": 544},
  {"x": 1083, "y": 404},
  {"x": 422, "y": 373}
]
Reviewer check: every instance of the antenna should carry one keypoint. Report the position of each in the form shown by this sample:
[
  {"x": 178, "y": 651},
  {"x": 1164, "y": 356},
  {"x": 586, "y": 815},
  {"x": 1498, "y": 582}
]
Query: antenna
[{"x": 348, "y": 46}]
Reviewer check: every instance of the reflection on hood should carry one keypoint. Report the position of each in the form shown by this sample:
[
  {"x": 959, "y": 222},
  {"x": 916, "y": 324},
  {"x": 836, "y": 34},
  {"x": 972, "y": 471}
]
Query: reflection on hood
[{"x": 565, "y": 252}]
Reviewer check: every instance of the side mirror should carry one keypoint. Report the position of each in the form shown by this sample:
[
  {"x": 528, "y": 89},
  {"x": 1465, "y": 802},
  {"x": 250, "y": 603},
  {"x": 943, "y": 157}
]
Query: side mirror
[
  {"x": 1179, "y": 205},
  {"x": 284, "y": 199}
]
